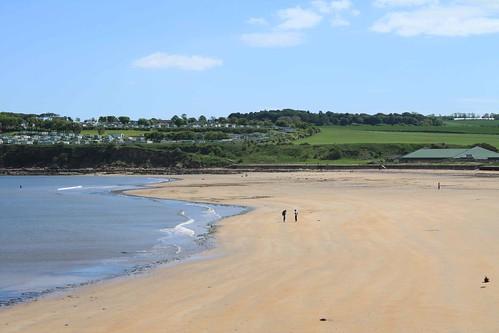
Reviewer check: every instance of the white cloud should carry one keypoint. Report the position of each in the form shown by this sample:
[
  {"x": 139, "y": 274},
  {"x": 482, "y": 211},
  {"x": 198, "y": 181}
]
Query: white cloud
[
  {"x": 338, "y": 9},
  {"x": 451, "y": 20},
  {"x": 339, "y": 5},
  {"x": 289, "y": 30},
  {"x": 322, "y": 6},
  {"x": 328, "y": 7},
  {"x": 491, "y": 4},
  {"x": 404, "y": 3},
  {"x": 340, "y": 22},
  {"x": 161, "y": 60},
  {"x": 297, "y": 18},
  {"x": 257, "y": 21},
  {"x": 273, "y": 39},
  {"x": 332, "y": 7}
]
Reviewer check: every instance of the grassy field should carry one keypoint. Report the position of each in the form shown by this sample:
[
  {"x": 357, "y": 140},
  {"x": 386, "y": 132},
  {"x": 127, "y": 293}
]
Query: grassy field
[
  {"x": 473, "y": 123},
  {"x": 449, "y": 127},
  {"x": 107, "y": 132},
  {"x": 375, "y": 134}
]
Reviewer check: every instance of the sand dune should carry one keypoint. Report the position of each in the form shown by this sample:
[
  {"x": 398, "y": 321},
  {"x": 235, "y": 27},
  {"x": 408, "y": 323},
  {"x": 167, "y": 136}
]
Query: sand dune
[{"x": 372, "y": 252}]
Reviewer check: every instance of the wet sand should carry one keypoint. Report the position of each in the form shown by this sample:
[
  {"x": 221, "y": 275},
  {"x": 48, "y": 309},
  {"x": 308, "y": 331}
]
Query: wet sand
[{"x": 372, "y": 252}]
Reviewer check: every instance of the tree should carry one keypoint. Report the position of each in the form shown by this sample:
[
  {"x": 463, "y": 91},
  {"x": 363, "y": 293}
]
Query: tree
[
  {"x": 202, "y": 120},
  {"x": 9, "y": 122},
  {"x": 143, "y": 122},
  {"x": 111, "y": 119},
  {"x": 178, "y": 121},
  {"x": 124, "y": 120},
  {"x": 283, "y": 122}
]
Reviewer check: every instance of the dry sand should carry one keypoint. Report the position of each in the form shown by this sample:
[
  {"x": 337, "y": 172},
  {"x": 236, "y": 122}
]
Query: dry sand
[{"x": 372, "y": 252}]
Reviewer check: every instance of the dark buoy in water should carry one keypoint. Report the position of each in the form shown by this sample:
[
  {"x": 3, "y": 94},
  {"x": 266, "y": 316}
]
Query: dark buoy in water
[{"x": 486, "y": 280}]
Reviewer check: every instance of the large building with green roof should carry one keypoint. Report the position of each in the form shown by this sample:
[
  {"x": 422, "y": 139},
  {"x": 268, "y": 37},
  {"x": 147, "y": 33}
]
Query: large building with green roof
[{"x": 465, "y": 154}]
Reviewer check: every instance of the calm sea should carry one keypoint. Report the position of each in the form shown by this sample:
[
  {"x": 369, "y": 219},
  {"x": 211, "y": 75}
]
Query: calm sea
[{"x": 59, "y": 232}]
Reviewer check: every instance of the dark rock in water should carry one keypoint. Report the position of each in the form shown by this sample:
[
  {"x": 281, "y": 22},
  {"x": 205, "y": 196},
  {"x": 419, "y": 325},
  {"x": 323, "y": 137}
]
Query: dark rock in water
[{"x": 323, "y": 319}]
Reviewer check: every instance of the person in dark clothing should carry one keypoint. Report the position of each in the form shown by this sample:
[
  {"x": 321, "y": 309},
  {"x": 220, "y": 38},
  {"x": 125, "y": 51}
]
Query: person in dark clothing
[
  {"x": 296, "y": 215},
  {"x": 284, "y": 216}
]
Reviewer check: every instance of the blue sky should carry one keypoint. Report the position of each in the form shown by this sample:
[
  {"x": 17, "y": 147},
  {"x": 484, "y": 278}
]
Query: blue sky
[{"x": 159, "y": 58}]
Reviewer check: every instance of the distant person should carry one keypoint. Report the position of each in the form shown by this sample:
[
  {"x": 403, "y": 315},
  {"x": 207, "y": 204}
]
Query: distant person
[
  {"x": 296, "y": 215},
  {"x": 486, "y": 280},
  {"x": 284, "y": 216},
  {"x": 439, "y": 186},
  {"x": 20, "y": 186}
]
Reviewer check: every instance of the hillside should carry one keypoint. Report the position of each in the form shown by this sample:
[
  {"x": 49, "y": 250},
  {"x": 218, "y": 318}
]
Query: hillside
[{"x": 454, "y": 134}]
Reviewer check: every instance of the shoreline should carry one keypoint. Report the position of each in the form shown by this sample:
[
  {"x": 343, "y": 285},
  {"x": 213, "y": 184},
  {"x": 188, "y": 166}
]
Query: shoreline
[
  {"x": 202, "y": 240},
  {"x": 243, "y": 168},
  {"x": 368, "y": 254}
]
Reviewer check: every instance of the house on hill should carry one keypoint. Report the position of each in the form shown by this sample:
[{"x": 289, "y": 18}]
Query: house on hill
[{"x": 474, "y": 154}]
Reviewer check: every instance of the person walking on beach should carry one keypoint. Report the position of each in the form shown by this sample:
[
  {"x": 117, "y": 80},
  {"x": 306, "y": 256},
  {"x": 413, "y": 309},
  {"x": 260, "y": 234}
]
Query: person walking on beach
[
  {"x": 284, "y": 216},
  {"x": 296, "y": 215},
  {"x": 439, "y": 186}
]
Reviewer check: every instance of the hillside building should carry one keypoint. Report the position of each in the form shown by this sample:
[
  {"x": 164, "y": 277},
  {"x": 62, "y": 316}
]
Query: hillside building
[{"x": 478, "y": 154}]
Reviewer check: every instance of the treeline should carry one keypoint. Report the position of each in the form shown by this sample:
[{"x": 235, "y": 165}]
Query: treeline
[
  {"x": 19, "y": 121},
  {"x": 289, "y": 117},
  {"x": 282, "y": 118}
]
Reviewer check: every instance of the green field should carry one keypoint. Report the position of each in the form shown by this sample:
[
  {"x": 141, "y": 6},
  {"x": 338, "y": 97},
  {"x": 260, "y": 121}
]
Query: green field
[
  {"x": 107, "y": 132},
  {"x": 375, "y": 134},
  {"x": 458, "y": 127},
  {"x": 473, "y": 123}
]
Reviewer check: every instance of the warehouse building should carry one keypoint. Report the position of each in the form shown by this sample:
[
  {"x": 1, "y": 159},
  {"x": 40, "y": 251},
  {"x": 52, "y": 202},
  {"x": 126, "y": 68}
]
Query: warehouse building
[{"x": 478, "y": 154}]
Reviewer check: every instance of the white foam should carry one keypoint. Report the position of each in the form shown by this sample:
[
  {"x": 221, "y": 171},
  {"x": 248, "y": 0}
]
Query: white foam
[
  {"x": 80, "y": 187},
  {"x": 208, "y": 210},
  {"x": 70, "y": 188},
  {"x": 165, "y": 245},
  {"x": 181, "y": 229}
]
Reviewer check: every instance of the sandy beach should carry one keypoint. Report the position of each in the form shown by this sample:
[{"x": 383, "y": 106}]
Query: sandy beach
[{"x": 373, "y": 251}]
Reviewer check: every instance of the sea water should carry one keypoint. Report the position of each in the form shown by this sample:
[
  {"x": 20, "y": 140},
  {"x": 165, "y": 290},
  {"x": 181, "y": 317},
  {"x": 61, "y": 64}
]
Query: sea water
[{"x": 64, "y": 231}]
